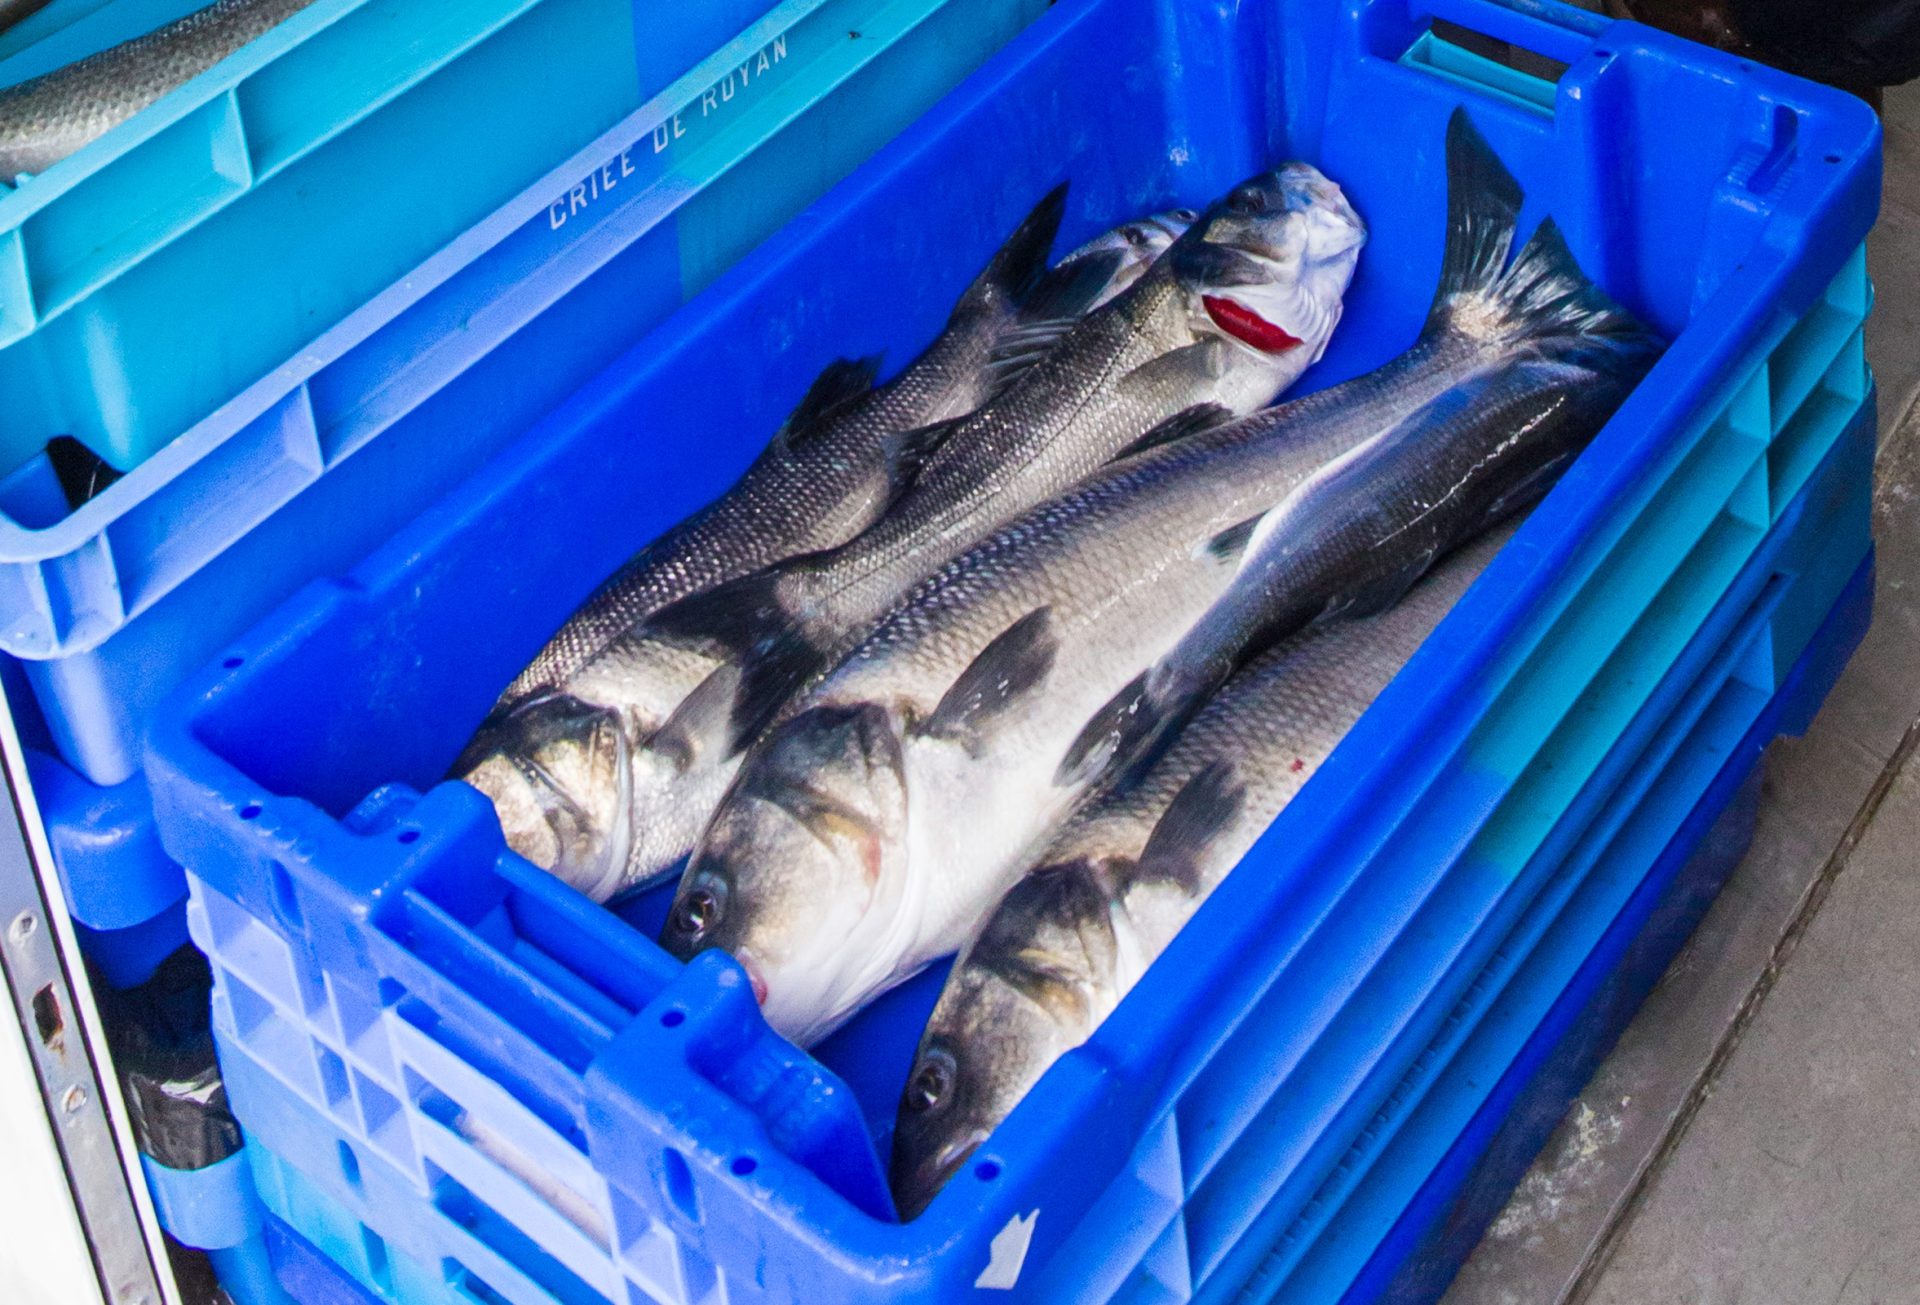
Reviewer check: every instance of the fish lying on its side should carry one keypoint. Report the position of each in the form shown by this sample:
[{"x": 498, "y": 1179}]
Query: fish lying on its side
[
  {"x": 873, "y": 827},
  {"x": 1563, "y": 356},
  {"x": 44, "y": 120},
  {"x": 1234, "y": 311},
  {"x": 1128, "y": 869},
  {"x": 576, "y": 745}
]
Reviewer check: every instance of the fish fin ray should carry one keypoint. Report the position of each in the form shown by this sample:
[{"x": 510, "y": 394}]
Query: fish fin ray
[
  {"x": 702, "y": 715},
  {"x": 1200, "y": 812},
  {"x": 1091, "y": 750},
  {"x": 1019, "y": 266},
  {"x": 733, "y": 616},
  {"x": 1197, "y": 420},
  {"x": 1006, "y": 671},
  {"x": 839, "y": 383},
  {"x": 770, "y": 674},
  {"x": 1231, "y": 543}
]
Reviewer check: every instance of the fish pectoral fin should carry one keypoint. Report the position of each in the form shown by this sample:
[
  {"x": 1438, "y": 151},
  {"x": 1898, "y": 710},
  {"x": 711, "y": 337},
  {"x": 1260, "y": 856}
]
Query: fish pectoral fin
[
  {"x": 1007, "y": 670},
  {"x": 700, "y": 721},
  {"x": 1178, "y": 369},
  {"x": 839, "y": 383},
  {"x": 1094, "y": 747},
  {"x": 1200, "y": 812},
  {"x": 908, "y": 451},
  {"x": 1381, "y": 592},
  {"x": 1197, "y": 420},
  {"x": 1229, "y": 544},
  {"x": 1019, "y": 348}
]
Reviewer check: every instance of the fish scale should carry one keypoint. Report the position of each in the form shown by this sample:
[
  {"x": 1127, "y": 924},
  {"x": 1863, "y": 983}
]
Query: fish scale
[{"x": 45, "y": 119}]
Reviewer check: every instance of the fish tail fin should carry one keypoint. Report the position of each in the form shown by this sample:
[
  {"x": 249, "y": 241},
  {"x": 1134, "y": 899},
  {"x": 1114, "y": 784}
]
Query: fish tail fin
[
  {"x": 1543, "y": 292},
  {"x": 1019, "y": 267}
]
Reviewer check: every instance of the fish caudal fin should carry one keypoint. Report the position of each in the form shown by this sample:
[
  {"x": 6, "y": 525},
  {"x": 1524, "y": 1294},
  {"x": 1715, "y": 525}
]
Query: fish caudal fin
[{"x": 1543, "y": 292}]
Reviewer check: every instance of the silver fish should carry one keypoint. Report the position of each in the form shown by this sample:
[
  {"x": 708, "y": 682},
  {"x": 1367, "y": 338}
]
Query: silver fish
[
  {"x": 1127, "y": 870},
  {"x": 1240, "y": 305},
  {"x": 45, "y": 119},
  {"x": 1234, "y": 311},
  {"x": 577, "y": 745},
  {"x": 1551, "y": 358},
  {"x": 947, "y": 741}
]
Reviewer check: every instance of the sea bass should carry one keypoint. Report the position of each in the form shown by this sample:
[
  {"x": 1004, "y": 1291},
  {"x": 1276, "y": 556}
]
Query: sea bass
[
  {"x": 1551, "y": 357},
  {"x": 45, "y": 119},
  {"x": 868, "y": 833},
  {"x": 576, "y": 744},
  {"x": 1127, "y": 870},
  {"x": 1237, "y": 308}
]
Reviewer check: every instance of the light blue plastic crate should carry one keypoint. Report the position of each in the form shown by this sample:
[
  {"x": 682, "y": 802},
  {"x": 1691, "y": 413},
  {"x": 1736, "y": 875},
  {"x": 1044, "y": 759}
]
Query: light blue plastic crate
[
  {"x": 112, "y": 604},
  {"x": 396, "y": 971}
]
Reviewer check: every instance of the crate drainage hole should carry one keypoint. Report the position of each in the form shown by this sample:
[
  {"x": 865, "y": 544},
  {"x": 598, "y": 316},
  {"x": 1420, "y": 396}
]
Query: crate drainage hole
[
  {"x": 251, "y": 811},
  {"x": 47, "y": 1020},
  {"x": 409, "y": 835},
  {"x": 349, "y": 1166},
  {"x": 744, "y": 1165},
  {"x": 233, "y": 663},
  {"x": 285, "y": 904},
  {"x": 679, "y": 1184},
  {"x": 673, "y": 1019},
  {"x": 987, "y": 1170}
]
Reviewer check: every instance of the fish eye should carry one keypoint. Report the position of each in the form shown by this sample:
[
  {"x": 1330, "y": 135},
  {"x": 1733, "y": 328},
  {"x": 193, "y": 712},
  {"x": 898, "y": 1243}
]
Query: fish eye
[
  {"x": 1247, "y": 201},
  {"x": 1133, "y": 235},
  {"x": 931, "y": 1084},
  {"x": 696, "y": 913},
  {"x": 1185, "y": 215}
]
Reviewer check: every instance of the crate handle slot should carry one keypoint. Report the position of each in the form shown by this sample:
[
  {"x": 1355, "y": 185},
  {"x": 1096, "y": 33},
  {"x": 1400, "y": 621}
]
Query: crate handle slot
[{"x": 1513, "y": 54}]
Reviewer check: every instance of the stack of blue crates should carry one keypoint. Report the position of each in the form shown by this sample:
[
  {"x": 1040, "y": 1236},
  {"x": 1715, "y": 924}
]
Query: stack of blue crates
[
  {"x": 317, "y": 287},
  {"x": 461, "y": 1081}
]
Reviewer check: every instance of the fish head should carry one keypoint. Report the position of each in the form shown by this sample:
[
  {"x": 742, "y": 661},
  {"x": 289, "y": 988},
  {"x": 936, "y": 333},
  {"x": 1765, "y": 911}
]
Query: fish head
[
  {"x": 1032, "y": 986},
  {"x": 1130, "y": 249},
  {"x": 800, "y": 858},
  {"x": 1266, "y": 266},
  {"x": 558, "y": 772}
]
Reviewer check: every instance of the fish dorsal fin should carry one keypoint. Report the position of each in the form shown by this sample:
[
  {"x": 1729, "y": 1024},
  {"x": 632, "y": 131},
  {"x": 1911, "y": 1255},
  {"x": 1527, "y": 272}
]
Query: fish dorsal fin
[
  {"x": 1197, "y": 420},
  {"x": 1019, "y": 348},
  {"x": 1204, "y": 808},
  {"x": 1005, "y": 672},
  {"x": 840, "y": 382},
  {"x": 701, "y": 721},
  {"x": 1019, "y": 267}
]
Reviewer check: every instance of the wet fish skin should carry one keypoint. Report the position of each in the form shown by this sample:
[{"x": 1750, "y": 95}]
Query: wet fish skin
[
  {"x": 1128, "y": 869},
  {"x": 594, "y": 758},
  {"x": 1557, "y": 357},
  {"x": 44, "y": 120},
  {"x": 1279, "y": 249}
]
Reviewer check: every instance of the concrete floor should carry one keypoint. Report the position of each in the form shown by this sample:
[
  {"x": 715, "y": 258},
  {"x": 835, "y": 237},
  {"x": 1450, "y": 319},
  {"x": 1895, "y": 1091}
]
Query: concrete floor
[{"x": 1755, "y": 1137}]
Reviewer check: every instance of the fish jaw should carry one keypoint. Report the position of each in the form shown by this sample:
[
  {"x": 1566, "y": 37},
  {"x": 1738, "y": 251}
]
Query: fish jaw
[
  {"x": 559, "y": 774},
  {"x": 1266, "y": 269}
]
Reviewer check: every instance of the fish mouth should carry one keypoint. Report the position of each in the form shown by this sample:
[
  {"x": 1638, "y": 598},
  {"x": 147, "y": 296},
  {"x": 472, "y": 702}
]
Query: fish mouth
[
  {"x": 1235, "y": 319},
  {"x": 584, "y": 842},
  {"x": 914, "y": 1191}
]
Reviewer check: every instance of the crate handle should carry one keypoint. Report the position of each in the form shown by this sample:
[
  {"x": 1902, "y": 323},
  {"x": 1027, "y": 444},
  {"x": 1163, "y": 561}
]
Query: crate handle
[{"x": 1545, "y": 27}]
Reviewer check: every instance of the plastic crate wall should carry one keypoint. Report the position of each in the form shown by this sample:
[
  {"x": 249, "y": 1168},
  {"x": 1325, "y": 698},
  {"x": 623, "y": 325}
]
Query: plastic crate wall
[{"x": 476, "y": 1021}]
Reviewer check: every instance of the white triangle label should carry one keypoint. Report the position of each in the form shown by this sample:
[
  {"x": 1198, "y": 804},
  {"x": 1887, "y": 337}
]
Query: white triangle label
[{"x": 1009, "y": 1254}]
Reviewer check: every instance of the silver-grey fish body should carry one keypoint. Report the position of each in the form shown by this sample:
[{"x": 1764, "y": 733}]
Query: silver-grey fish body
[
  {"x": 1117, "y": 880},
  {"x": 1282, "y": 247},
  {"x": 574, "y": 756},
  {"x": 984, "y": 675},
  {"x": 45, "y": 119},
  {"x": 12, "y": 11}
]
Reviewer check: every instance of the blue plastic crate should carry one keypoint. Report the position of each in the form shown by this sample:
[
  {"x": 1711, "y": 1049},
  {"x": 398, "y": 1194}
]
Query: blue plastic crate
[
  {"x": 390, "y": 964},
  {"x": 337, "y": 1159},
  {"x": 329, "y": 452},
  {"x": 1580, "y": 986}
]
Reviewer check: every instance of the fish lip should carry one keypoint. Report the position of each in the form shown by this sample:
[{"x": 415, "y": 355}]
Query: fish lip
[
  {"x": 916, "y": 1189},
  {"x": 754, "y": 980}
]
